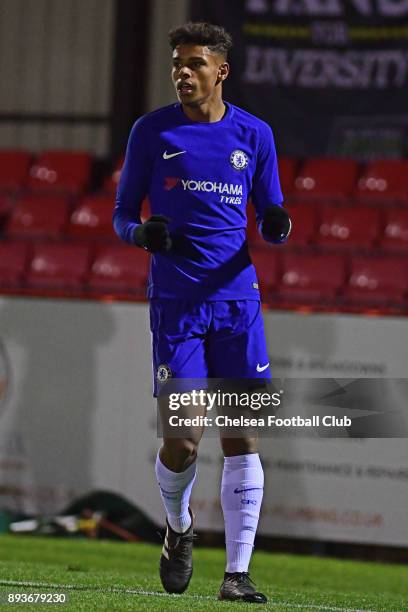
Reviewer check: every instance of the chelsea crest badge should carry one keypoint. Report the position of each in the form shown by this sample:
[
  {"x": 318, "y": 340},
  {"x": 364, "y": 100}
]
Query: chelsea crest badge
[{"x": 239, "y": 159}]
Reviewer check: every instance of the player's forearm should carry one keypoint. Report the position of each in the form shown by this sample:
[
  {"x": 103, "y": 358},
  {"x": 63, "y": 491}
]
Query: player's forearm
[
  {"x": 125, "y": 223},
  {"x": 133, "y": 184}
]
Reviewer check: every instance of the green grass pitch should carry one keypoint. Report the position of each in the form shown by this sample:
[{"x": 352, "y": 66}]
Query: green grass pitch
[{"x": 102, "y": 575}]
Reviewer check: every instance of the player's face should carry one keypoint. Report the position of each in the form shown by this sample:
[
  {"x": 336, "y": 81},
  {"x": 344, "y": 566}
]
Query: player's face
[{"x": 197, "y": 72}]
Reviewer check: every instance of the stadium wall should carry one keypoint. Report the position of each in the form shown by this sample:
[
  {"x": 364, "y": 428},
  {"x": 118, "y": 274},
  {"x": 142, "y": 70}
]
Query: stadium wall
[
  {"x": 56, "y": 58},
  {"x": 76, "y": 414},
  {"x": 165, "y": 15},
  {"x": 79, "y": 73}
]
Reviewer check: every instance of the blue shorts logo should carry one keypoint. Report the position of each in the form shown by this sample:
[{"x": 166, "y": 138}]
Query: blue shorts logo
[{"x": 163, "y": 373}]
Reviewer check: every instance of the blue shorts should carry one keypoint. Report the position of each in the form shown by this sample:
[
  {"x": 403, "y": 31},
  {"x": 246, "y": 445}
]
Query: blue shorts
[{"x": 200, "y": 340}]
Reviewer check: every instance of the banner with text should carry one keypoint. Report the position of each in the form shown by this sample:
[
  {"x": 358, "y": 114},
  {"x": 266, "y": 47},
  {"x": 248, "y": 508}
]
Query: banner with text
[
  {"x": 330, "y": 76},
  {"x": 77, "y": 414}
]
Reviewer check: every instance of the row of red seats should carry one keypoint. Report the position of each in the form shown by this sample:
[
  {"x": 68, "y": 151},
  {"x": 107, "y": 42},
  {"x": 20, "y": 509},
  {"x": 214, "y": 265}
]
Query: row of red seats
[
  {"x": 42, "y": 266},
  {"x": 329, "y": 225},
  {"x": 68, "y": 171},
  {"x": 286, "y": 277},
  {"x": 379, "y": 181},
  {"x": 333, "y": 279},
  {"x": 359, "y": 227},
  {"x": 315, "y": 178},
  {"x": 52, "y": 171},
  {"x": 53, "y": 217}
]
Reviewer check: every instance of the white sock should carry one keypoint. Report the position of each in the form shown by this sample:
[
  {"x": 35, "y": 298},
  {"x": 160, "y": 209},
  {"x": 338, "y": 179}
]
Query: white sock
[
  {"x": 175, "y": 491},
  {"x": 241, "y": 498}
]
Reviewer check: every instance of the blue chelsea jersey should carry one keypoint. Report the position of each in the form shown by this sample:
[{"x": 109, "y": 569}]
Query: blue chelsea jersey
[{"x": 200, "y": 176}]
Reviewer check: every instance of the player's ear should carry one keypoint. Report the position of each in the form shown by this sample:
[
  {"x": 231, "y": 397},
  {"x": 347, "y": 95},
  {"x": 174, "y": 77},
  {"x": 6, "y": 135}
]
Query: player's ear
[
  {"x": 222, "y": 73},
  {"x": 224, "y": 70}
]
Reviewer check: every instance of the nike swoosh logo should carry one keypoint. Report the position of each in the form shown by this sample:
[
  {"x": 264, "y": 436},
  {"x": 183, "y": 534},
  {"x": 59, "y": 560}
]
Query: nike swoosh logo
[
  {"x": 261, "y": 368},
  {"x": 250, "y": 489},
  {"x": 170, "y": 155}
]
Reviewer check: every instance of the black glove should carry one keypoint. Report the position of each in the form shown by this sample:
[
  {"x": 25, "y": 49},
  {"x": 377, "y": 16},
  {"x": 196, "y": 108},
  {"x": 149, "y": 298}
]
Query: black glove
[
  {"x": 153, "y": 234},
  {"x": 276, "y": 224}
]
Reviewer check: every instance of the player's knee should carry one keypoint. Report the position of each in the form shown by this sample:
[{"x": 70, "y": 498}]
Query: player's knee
[
  {"x": 239, "y": 446},
  {"x": 179, "y": 453}
]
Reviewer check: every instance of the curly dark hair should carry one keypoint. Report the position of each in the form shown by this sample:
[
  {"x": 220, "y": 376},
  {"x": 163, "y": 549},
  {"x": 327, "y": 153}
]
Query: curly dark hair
[{"x": 215, "y": 37}]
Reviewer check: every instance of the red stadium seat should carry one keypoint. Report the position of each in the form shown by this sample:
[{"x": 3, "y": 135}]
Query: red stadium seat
[
  {"x": 266, "y": 263},
  {"x": 120, "y": 269},
  {"x": 66, "y": 171},
  {"x": 111, "y": 182},
  {"x": 378, "y": 281},
  {"x": 92, "y": 218},
  {"x": 384, "y": 181},
  {"x": 326, "y": 178},
  {"x": 305, "y": 220},
  {"x": 350, "y": 227},
  {"x": 287, "y": 172},
  {"x": 58, "y": 266},
  {"x": 311, "y": 278},
  {"x": 13, "y": 261},
  {"x": 36, "y": 216},
  {"x": 5, "y": 207},
  {"x": 396, "y": 230},
  {"x": 14, "y": 166}
]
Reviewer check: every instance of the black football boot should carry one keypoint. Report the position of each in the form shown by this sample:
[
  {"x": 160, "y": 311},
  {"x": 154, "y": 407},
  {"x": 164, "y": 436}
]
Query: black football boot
[
  {"x": 176, "y": 561},
  {"x": 238, "y": 586}
]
